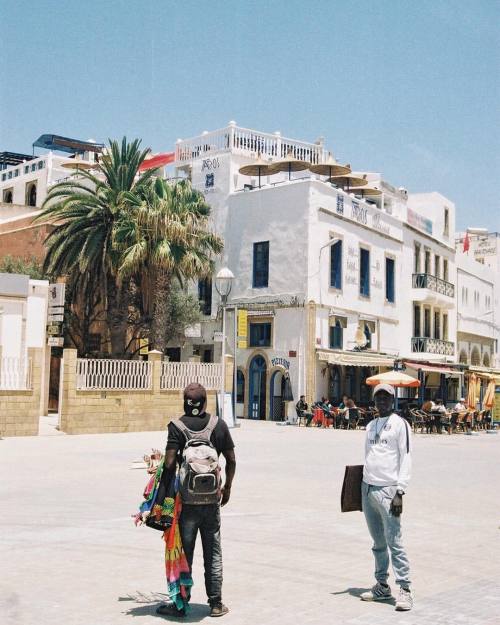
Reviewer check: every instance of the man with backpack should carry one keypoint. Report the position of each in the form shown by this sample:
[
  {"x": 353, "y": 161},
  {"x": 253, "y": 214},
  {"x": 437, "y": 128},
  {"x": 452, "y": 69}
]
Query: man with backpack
[
  {"x": 195, "y": 442},
  {"x": 386, "y": 474}
]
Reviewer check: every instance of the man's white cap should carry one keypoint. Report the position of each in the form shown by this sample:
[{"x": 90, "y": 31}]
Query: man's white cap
[
  {"x": 462, "y": 399},
  {"x": 384, "y": 387}
]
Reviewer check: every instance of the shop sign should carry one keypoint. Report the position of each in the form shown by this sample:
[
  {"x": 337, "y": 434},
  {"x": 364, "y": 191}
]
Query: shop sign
[
  {"x": 55, "y": 341},
  {"x": 242, "y": 323},
  {"x": 419, "y": 221},
  {"x": 280, "y": 362},
  {"x": 143, "y": 347}
]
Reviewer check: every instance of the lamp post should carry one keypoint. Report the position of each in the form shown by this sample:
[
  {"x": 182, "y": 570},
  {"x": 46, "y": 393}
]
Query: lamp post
[{"x": 223, "y": 285}]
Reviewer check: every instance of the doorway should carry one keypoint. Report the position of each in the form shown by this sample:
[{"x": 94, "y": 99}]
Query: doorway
[
  {"x": 257, "y": 399},
  {"x": 276, "y": 392}
]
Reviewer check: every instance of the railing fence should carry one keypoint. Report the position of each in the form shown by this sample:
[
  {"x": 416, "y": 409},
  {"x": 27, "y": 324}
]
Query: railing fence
[
  {"x": 15, "y": 373},
  {"x": 177, "y": 375},
  {"x": 113, "y": 375}
]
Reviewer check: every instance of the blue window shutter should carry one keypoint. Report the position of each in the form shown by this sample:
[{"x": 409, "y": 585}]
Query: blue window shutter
[{"x": 336, "y": 265}]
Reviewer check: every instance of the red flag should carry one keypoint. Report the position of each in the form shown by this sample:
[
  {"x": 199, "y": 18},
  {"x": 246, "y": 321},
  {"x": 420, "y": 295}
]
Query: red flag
[
  {"x": 159, "y": 160},
  {"x": 466, "y": 242}
]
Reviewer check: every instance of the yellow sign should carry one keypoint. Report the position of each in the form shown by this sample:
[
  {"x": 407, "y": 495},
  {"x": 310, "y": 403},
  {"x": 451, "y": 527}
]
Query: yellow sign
[
  {"x": 144, "y": 347},
  {"x": 242, "y": 324},
  {"x": 242, "y": 344}
]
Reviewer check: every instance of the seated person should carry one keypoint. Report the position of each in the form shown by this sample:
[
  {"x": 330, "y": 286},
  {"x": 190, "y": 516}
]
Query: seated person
[
  {"x": 460, "y": 405},
  {"x": 301, "y": 408}
]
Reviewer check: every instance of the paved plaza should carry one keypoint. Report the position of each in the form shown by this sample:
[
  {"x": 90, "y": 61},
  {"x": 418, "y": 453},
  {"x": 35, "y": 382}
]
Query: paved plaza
[{"x": 71, "y": 555}]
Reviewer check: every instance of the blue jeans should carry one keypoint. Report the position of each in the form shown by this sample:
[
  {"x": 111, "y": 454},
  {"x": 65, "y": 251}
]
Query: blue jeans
[
  {"x": 385, "y": 529},
  {"x": 205, "y": 518}
]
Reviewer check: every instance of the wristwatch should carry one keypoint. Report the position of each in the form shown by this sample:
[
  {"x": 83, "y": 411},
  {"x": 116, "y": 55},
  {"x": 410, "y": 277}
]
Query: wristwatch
[{"x": 400, "y": 492}]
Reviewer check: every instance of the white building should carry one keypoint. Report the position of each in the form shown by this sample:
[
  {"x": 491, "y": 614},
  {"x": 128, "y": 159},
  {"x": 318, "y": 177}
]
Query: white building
[{"x": 325, "y": 278}]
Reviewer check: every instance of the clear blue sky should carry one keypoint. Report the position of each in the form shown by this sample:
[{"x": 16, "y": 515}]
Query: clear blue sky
[{"x": 407, "y": 88}]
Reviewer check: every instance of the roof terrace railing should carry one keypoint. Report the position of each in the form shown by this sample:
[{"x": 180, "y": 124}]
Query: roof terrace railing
[{"x": 250, "y": 142}]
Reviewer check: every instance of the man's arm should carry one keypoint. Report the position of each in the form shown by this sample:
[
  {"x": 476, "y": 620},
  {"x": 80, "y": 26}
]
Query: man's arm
[
  {"x": 230, "y": 471},
  {"x": 404, "y": 444}
]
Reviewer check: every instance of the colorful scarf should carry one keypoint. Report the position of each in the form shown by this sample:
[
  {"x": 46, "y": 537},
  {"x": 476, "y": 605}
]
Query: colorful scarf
[{"x": 179, "y": 580}]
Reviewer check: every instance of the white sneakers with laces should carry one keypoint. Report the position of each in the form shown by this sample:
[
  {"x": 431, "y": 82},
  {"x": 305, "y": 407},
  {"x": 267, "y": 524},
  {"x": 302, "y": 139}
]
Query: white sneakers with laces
[{"x": 404, "y": 602}]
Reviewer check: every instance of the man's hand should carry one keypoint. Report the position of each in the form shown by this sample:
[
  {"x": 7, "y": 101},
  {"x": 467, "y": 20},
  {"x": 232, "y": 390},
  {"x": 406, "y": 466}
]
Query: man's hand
[
  {"x": 397, "y": 505},
  {"x": 226, "y": 493}
]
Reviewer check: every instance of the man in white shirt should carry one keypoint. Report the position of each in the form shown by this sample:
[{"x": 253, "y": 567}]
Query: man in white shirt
[
  {"x": 460, "y": 405},
  {"x": 386, "y": 475}
]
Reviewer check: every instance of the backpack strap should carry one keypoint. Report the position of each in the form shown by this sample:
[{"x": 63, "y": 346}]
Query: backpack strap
[{"x": 180, "y": 426}]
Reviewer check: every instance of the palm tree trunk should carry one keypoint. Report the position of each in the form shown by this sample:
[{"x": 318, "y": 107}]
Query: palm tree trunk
[
  {"x": 159, "y": 323},
  {"x": 117, "y": 314}
]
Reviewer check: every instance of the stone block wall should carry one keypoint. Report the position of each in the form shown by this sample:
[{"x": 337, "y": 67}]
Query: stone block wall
[
  {"x": 95, "y": 412},
  {"x": 20, "y": 410}
]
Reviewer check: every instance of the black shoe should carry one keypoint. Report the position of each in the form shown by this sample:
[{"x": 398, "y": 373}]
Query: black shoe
[
  {"x": 218, "y": 609},
  {"x": 169, "y": 609}
]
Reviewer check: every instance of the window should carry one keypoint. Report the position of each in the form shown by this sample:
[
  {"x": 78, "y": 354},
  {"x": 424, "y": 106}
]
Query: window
[
  {"x": 26, "y": 169},
  {"x": 31, "y": 194},
  {"x": 260, "y": 264},
  {"x": 364, "y": 273},
  {"x": 240, "y": 387},
  {"x": 368, "y": 336},
  {"x": 8, "y": 196},
  {"x": 445, "y": 326},
  {"x": 336, "y": 335},
  {"x": 427, "y": 261},
  {"x": 4, "y": 177},
  {"x": 260, "y": 334},
  {"x": 446, "y": 227},
  {"x": 416, "y": 321},
  {"x": 437, "y": 324},
  {"x": 336, "y": 265},
  {"x": 427, "y": 323},
  {"x": 41, "y": 164},
  {"x": 33, "y": 167},
  {"x": 445, "y": 269},
  {"x": 437, "y": 265},
  {"x": 417, "y": 258},
  {"x": 16, "y": 173},
  {"x": 205, "y": 295},
  {"x": 389, "y": 279},
  {"x": 9, "y": 175}
]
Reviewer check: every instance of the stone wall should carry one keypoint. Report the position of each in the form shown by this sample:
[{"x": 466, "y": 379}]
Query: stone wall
[
  {"x": 20, "y": 410},
  {"x": 94, "y": 412}
]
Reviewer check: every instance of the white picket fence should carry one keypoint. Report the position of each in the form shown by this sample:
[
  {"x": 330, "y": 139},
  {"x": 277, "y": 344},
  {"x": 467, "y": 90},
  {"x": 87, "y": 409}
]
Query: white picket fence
[
  {"x": 177, "y": 375},
  {"x": 113, "y": 375},
  {"x": 93, "y": 374},
  {"x": 15, "y": 374}
]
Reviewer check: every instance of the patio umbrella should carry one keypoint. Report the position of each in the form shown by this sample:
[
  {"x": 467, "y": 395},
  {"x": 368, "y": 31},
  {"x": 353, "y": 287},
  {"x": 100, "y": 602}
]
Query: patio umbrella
[
  {"x": 78, "y": 164},
  {"x": 489, "y": 397},
  {"x": 258, "y": 168},
  {"x": 471, "y": 392},
  {"x": 394, "y": 378},
  {"x": 289, "y": 164},
  {"x": 367, "y": 191},
  {"x": 348, "y": 181},
  {"x": 330, "y": 168}
]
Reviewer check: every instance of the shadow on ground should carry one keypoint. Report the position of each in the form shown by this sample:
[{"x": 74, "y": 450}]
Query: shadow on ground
[
  {"x": 149, "y": 602},
  {"x": 357, "y": 592}
]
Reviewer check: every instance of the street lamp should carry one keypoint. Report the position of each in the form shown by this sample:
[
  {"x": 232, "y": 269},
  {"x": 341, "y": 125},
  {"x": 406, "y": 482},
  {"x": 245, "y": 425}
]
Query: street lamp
[{"x": 223, "y": 285}]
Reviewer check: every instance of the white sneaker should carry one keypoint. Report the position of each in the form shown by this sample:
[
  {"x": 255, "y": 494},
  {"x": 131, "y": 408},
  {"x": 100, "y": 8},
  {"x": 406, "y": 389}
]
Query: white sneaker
[
  {"x": 404, "y": 602},
  {"x": 377, "y": 593}
]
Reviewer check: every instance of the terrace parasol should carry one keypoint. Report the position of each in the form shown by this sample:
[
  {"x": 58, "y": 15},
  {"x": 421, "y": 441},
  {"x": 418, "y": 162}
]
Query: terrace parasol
[
  {"x": 289, "y": 164},
  {"x": 330, "y": 168},
  {"x": 259, "y": 168}
]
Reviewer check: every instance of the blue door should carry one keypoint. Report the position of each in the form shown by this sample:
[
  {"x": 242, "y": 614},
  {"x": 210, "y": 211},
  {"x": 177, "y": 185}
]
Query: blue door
[{"x": 257, "y": 394}]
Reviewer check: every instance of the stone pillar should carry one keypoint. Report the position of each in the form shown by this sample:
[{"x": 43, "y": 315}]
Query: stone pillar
[
  {"x": 311, "y": 353},
  {"x": 35, "y": 354},
  {"x": 67, "y": 390},
  {"x": 154, "y": 356}
]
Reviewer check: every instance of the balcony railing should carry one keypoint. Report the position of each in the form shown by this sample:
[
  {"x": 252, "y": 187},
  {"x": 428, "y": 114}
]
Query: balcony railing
[
  {"x": 432, "y": 346},
  {"x": 428, "y": 281},
  {"x": 245, "y": 141}
]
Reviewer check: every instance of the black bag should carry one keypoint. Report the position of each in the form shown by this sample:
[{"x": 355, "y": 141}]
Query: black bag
[{"x": 350, "y": 499}]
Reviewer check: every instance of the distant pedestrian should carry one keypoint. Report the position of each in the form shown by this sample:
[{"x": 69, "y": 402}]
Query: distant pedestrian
[
  {"x": 199, "y": 485},
  {"x": 302, "y": 410},
  {"x": 386, "y": 475}
]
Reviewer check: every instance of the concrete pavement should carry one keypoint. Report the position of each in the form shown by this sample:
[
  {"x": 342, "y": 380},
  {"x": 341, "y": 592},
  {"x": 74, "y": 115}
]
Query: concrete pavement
[{"x": 71, "y": 554}]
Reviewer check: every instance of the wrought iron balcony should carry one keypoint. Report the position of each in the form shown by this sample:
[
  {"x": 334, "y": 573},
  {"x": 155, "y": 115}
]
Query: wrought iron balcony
[
  {"x": 432, "y": 346},
  {"x": 428, "y": 281}
]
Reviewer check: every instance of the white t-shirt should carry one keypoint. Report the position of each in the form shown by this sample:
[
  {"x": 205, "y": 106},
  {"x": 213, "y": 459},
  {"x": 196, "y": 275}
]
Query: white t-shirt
[{"x": 388, "y": 452}]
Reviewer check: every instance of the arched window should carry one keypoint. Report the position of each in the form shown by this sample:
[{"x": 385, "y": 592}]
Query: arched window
[
  {"x": 486, "y": 359},
  {"x": 31, "y": 194},
  {"x": 463, "y": 357},
  {"x": 240, "y": 387},
  {"x": 475, "y": 358},
  {"x": 7, "y": 196}
]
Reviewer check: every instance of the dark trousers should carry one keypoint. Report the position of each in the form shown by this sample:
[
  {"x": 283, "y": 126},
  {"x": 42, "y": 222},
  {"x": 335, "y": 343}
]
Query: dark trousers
[{"x": 205, "y": 518}]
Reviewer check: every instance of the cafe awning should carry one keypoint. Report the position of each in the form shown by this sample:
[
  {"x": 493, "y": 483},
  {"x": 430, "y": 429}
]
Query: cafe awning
[
  {"x": 355, "y": 359},
  {"x": 428, "y": 368}
]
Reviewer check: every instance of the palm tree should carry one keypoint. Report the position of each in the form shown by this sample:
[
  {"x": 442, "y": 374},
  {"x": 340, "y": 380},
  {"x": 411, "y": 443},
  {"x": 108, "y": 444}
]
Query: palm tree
[
  {"x": 163, "y": 238},
  {"x": 85, "y": 211}
]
